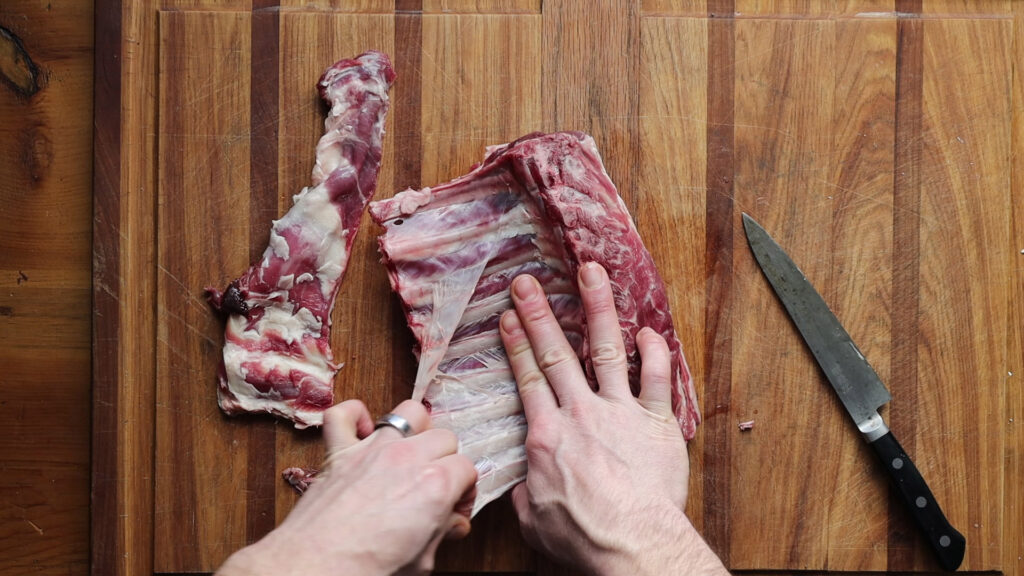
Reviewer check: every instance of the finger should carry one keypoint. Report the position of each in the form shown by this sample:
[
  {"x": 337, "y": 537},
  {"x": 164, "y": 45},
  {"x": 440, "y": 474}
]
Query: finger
[
  {"x": 655, "y": 372},
  {"x": 555, "y": 357},
  {"x": 607, "y": 352},
  {"x": 458, "y": 527},
  {"x": 433, "y": 444},
  {"x": 452, "y": 477},
  {"x": 425, "y": 563},
  {"x": 521, "y": 502},
  {"x": 345, "y": 424},
  {"x": 462, "y": 513},
  {"x": 534, "y": 390},
  {"x": 412, "y": 411}
]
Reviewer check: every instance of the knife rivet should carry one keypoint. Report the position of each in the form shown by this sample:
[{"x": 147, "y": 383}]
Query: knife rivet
[
  {"x": 944, "y": 541},
  {"x": 897, "y": 463},
  {"x": 921, "y": 502}
]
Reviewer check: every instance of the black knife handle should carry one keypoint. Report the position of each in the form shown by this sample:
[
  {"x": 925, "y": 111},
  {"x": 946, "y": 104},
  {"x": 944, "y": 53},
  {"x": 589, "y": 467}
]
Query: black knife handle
[{"x": 944, "y": 539}]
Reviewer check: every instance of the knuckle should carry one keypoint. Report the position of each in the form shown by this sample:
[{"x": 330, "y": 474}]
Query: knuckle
[
  {"x": 658, "y": 380},
  {"x": 518, "y": 347},
  {"x": 541, "y": 442},
  {"x": 554, "y": 358},
  {"x": 445, "y": 435},
  {"x": 398, "y": 452},
  {"x": 652, "y": 345},
  {"x": 436, "y": 483},
  {"x": 445, "y": 439},
  {"x": 412, "y": 409},
  {"x": 581, "y": 411},
  {"x": 608, "y": 354},
  {"x": 337, "y": 413},
  {"x": 333, "y": 413},
  {"x": 654, "y": 339},
  {"x": 536, "y": 313},
  {"x": 597, "y": 306},
  {"x": 531, "y": 380}
]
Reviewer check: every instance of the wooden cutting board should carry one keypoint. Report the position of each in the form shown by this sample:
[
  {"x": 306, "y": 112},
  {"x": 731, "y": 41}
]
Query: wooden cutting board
[{"x": 874, "y": 141}]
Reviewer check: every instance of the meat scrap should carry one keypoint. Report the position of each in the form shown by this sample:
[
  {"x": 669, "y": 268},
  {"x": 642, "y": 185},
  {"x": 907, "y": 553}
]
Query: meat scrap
[
  {"x": 300, "y": 478},
  {"x": 541, "y": 205},
  {"x": 277, "y": 356}
]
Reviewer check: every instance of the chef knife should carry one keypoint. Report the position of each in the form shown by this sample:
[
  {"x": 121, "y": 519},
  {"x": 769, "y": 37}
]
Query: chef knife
[{"x": 858, "y": 386}]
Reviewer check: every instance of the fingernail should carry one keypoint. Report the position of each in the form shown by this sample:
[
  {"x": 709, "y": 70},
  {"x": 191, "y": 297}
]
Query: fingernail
[
  {"x": 510, "y": 322},
  {"x": 592, "y": 275},
  {"x": 525, "y": 287}
]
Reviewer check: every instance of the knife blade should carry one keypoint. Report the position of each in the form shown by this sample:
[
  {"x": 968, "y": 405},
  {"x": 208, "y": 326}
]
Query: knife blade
[{"x": 858, "y": 386}]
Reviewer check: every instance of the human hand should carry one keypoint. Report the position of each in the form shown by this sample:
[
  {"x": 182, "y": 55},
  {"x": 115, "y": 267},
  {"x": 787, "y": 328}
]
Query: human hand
[
  {"x": 381, "y": 506},
  {"x": 607, "y": 472}
]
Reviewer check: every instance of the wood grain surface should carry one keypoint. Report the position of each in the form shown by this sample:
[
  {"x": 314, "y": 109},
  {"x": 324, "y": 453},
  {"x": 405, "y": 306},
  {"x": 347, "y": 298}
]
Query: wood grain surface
[
  {"x": 875, "y": 140},
  {"x": 45, "y": 260}
]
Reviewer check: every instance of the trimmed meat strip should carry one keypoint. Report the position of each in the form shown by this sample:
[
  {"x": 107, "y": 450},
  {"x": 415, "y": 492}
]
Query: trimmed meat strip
[
  {"x": 277, "y": 356},
  {"x": 541, "y": 205}
]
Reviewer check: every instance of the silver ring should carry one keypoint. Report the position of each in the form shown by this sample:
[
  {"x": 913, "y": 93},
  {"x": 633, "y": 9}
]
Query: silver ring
[{"x": 394, "y": 421}]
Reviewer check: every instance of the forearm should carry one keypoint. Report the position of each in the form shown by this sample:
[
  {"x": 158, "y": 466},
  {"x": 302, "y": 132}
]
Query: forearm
[
  {"x": 667, "y": 544},
  {"x": 271, "y": 557}
]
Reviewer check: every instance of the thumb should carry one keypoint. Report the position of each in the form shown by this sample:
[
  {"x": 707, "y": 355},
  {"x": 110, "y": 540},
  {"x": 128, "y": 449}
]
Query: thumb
[
  {"x": 521, "y": 502},
  {"x": 655, "y": 372}
]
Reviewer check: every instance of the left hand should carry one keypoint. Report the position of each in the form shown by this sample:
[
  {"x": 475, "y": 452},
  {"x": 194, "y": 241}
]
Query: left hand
[
  {"x": 381, "y": 506},
  {"x": 607, "y": 477}
]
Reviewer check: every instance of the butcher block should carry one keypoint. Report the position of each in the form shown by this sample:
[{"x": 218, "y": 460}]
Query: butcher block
[{"x": 881, "y": 143}]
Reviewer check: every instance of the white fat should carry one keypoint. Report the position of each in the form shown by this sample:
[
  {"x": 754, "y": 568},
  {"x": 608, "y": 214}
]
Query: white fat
[
  {"x": 319, "y": 224},
  {"x": 412, "y": 200},
  {"x": 245, "y": 396},
  {"x": 235, "y": 356},
  {"x": 572, "y": 166},
  {"x": 286, "y": 282},
  {"x": 281, "y": 319},
  {"x": 327, "y": 273},
  {"x": 278, "y": 244},
  {"x": 297, "y": 197},
  {"x": 328, "y": 153},
  {"x": 314, "y": 213},
  {"x": 291, "y": 326}
]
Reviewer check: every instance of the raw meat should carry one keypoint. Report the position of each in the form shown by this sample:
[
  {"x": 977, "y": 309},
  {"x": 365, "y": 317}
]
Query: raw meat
[
  {"x": 277, "y": 356},
  {"x": 541, "y": 205},
  {"x": 300, "y": 478}
]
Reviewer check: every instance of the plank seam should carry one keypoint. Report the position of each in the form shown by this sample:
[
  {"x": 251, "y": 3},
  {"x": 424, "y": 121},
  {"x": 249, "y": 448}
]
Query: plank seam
[
  {"x": 719, "y": 216},
  {"x": 264, "y": 110},
  {"x": 106, "y": 546},
  {"x": 900, "y": 548}
]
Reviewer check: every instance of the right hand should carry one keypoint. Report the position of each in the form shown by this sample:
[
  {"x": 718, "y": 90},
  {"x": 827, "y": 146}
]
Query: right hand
[
  {"x": 381, "y": 506},
  {"x": 607, "y": 472}
]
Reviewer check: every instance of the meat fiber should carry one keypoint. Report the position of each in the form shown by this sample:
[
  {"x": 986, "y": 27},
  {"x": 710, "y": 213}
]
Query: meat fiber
[
  {"x": 541, "y": 205},
  {"x": 277, "y": 356}
]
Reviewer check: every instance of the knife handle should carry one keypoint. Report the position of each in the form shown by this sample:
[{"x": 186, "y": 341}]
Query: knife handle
[{"x": 944, "y": 539}]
